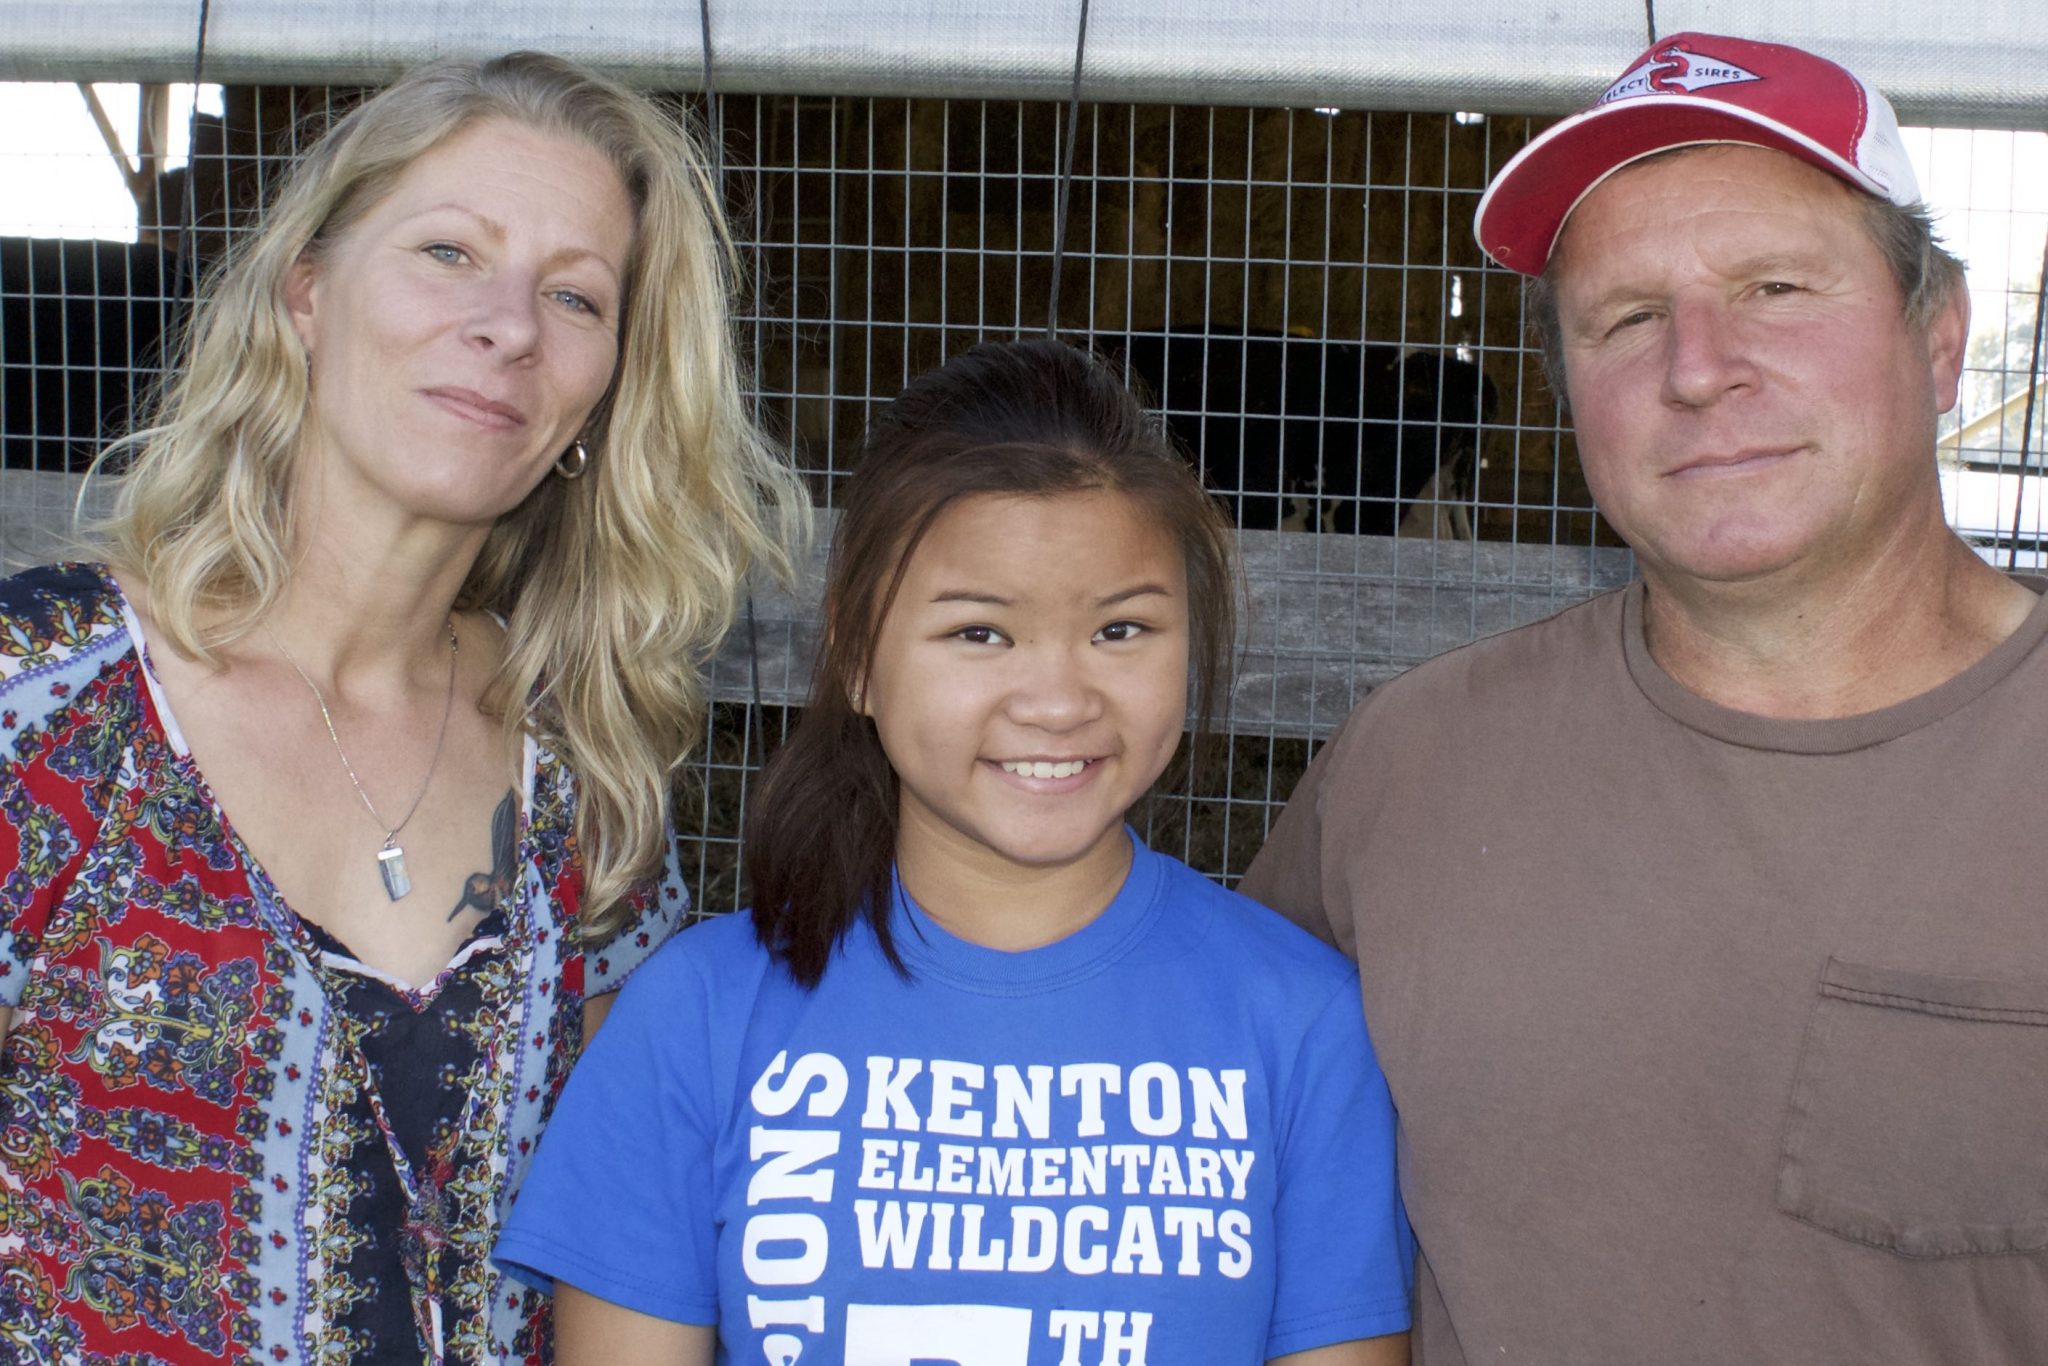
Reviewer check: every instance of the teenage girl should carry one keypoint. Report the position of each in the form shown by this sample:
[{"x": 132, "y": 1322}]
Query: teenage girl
[{"x": 983, "y": 1080}]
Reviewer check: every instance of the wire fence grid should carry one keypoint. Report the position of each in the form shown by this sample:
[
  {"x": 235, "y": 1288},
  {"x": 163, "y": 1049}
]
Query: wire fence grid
[{"x": 1297, "y": 292}]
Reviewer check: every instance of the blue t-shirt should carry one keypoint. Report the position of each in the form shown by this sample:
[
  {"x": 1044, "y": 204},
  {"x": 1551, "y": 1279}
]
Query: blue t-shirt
[{"x": 1163, "y": 1138}]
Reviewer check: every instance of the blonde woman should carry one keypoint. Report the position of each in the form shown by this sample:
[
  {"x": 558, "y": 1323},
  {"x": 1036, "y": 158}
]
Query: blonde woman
[{"x": 334, "y": 805}]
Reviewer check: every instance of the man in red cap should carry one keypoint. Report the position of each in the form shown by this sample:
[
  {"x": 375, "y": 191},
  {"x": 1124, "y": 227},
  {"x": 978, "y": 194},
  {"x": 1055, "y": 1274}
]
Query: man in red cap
[{"x": 1701, "y": 925}]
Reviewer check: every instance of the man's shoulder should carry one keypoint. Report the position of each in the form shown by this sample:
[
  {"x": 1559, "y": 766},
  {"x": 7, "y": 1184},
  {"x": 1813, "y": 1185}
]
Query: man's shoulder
[
  {"x": 1466, "y": 708},
  {"x": 1516, "y": 668}
]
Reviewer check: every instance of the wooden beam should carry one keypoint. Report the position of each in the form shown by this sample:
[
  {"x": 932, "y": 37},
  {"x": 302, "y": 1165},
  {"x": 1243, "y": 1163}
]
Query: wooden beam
[
  {"x": 1330, "y": 617},
  {"x": 137, "y": 185},
  {"x": 153, "y": 127},
  {"x": 1992, "y": 419},
  {"x": 152, "y": 145}
]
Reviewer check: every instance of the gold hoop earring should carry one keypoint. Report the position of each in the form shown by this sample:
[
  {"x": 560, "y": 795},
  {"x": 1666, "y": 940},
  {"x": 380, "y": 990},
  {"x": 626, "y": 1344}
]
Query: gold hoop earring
[{"x": 574, "y": 461}]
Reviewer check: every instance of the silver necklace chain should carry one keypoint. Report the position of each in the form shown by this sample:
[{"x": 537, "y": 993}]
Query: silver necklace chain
[{"x": 390, "y": 857}]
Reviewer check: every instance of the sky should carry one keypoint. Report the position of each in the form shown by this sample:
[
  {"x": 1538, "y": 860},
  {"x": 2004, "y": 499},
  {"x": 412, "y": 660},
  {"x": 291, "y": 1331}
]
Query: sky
[{"x": 57, "y": 178}]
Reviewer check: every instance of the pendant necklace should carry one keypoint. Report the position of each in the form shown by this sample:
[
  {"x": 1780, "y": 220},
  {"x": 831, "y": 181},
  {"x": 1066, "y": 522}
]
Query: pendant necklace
[{"x": 390, "y": 857}]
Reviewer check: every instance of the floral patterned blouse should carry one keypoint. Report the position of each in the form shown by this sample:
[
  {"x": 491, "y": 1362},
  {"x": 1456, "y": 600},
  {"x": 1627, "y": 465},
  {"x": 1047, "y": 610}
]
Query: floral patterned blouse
[{"x": 181, "y": 1117}]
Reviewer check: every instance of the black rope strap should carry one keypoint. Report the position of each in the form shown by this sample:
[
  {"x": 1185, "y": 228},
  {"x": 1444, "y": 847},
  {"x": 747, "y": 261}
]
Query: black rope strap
[
  {"x": 1066, "y": 181},
  {"x": 187, "y": 265},
  {"x": 2034, "y": 378},
  {"x": 714, "y": 127},
  {"x": 714, "y": 113}
]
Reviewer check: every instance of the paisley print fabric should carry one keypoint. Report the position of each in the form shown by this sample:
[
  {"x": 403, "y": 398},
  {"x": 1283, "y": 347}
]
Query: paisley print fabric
[
  {"x": 427, "y": 1049},
  {"x": 182, "y": 1137}
]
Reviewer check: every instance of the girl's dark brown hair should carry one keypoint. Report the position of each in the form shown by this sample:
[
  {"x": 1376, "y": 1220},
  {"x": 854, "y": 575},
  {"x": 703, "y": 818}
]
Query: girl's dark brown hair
[{"x": 1020, "y": 419}]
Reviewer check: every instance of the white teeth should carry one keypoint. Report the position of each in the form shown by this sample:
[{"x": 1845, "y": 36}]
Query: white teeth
[{"x": 1027, "y": 768}]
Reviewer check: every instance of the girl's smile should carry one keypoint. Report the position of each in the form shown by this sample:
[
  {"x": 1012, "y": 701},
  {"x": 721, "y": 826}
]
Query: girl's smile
[{"x": 1043, "y": 769}]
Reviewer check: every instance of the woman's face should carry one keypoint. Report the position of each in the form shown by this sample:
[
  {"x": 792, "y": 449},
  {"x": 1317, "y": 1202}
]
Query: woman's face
[{"x": 462, "y": 330}]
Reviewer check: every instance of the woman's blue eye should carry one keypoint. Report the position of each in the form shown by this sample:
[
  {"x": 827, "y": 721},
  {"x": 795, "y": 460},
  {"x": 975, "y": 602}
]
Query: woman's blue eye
[
  {"x": 580, "y": 302},
  {"x": 446, "y": 254}
]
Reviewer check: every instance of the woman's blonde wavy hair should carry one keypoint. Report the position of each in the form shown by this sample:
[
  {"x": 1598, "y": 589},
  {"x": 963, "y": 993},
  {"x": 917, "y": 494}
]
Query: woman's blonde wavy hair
[{"x": 615, "y": 588}]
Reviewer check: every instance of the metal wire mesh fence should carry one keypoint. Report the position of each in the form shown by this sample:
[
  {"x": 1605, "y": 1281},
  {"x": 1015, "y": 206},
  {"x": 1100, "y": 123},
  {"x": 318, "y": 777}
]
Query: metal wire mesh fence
[{"x": 1297, "y": 291}]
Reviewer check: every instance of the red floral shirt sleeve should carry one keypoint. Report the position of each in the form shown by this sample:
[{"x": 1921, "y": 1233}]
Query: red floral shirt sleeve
[
  {"x": 50, "y": 620},
  {"x": 660, "y": 908}
]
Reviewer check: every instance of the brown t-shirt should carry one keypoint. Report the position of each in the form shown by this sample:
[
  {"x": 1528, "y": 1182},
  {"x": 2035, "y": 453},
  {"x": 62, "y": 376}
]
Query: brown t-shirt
[{"x": 1714, "y": 1038}]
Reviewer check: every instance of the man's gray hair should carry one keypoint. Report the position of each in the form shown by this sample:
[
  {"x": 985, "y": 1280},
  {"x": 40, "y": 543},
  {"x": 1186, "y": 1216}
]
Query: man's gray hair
[{"x": 1926, "y": 272}]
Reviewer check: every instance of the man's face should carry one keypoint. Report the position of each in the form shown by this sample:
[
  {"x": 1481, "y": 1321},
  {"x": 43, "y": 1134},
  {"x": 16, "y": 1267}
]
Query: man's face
[{"x": 1748, "y": 397}]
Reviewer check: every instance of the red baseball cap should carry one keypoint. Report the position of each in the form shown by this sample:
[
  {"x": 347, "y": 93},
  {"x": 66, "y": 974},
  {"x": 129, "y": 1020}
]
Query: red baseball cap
[{"x": 1688, "y": 89}]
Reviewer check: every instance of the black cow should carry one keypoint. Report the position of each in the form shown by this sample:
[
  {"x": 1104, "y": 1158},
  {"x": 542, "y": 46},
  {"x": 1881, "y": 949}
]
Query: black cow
[
  {"x": 81, "y": 339},
  {"x": 1347, "y": 434}
]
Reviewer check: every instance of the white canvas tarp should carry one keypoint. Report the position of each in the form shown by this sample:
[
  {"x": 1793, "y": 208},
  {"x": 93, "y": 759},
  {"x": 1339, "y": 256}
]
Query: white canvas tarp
[{"x": 1981, "y": 63}]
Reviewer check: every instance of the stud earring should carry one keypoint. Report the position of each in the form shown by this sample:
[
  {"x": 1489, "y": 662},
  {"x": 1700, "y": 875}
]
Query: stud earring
[{"x": 574, "y": 461}]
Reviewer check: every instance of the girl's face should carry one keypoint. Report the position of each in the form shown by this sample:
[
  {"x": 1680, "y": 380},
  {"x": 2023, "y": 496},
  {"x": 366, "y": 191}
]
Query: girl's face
[{"x": 1030, "y": 682}]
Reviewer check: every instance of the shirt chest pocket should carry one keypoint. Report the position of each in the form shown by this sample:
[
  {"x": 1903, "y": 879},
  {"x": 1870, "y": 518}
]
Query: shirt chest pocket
[{"x": 1919, "y": 1116}]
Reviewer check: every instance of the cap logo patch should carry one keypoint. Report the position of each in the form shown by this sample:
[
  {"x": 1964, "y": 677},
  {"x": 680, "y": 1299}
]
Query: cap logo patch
[{"x": 1675, "y": 70}]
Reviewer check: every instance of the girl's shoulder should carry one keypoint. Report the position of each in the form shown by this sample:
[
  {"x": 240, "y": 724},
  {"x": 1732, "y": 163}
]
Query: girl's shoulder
[
  {"x": 713, "y": 957},
  {"x": 1253, "y": 939}
]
